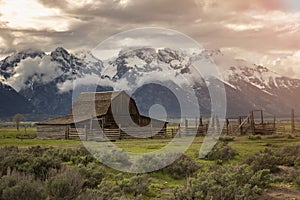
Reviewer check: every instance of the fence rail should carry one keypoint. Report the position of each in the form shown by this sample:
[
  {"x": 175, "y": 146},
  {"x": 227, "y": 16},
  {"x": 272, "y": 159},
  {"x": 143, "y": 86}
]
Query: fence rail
[{"x": 130, "y": 133}]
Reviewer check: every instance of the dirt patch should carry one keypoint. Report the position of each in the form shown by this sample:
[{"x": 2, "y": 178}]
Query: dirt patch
[{"x": 284, "y": 191}]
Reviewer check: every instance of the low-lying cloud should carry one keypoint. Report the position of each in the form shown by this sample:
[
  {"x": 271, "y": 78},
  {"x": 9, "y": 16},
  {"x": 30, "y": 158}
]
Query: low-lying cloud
[{"x": 33, "y": 70}]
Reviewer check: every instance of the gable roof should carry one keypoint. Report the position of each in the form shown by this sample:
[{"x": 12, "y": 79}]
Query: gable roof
[
  {"x": 87, "y": 105},
  {"x": 97, "y": 101},
  {"x": 64, "y": 120}
]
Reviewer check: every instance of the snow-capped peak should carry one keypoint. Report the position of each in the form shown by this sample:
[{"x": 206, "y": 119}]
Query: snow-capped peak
[
  {"x": 33, "y": 67},
  {"x": 259, "y": 76}
]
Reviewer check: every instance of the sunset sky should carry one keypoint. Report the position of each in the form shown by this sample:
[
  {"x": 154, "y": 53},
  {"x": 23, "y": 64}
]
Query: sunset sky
[{"x": 262, "y": 31}]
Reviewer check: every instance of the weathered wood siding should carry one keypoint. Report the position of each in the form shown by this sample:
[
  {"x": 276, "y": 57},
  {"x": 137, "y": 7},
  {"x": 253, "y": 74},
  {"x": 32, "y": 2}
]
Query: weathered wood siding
[
  {"x": 122, "y": 107},
  {"x": 51, "y": 131}
]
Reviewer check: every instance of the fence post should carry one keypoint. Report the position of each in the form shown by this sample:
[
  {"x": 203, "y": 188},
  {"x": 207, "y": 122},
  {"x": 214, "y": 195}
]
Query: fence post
[
  {"x": 120, "y": 134},
  {"x": 91, "y": 125},
  {"x": 252, "y": 122},
  {"x": 186, "y": 123},
  {"x": 227, "y": 126},
  {"x": 67, "y": 132},
  {"x": 151, "y": 131},
  {"x": 85, "y": 132},
  {"x": 201, "y": 122},
  {"x": 179, "y": 130},
  {"x": 241, "y": 127},
  {"x": 218, "y": 124},
  {"x": 292, "y": 121}
]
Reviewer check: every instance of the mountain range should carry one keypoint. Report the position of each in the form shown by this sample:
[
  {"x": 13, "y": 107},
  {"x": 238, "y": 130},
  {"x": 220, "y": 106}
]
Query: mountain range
[{"x": 36, "y": 83}]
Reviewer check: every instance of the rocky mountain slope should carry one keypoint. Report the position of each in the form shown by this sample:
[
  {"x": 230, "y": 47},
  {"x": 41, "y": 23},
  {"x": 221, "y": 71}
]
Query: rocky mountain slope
[
  {"x": 43, "y": 82},
  {"x": 12, "y": 102}
]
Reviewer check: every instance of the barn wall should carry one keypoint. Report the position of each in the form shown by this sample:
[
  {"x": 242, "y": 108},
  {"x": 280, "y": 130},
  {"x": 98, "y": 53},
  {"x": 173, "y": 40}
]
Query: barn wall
[
  {"x": 51, "y": 131},
  {"x": 120, "y": 105}
]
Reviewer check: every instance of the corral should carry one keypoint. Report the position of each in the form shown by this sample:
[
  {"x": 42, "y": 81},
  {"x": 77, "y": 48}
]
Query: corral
[{"x": 255, "y": 123}]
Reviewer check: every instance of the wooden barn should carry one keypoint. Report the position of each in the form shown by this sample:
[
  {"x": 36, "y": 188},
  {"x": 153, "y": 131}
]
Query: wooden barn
[{"x": 95, "y": 114}]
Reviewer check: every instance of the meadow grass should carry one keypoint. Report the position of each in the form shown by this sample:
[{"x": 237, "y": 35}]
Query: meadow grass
[{"x": 242, "y": 144}]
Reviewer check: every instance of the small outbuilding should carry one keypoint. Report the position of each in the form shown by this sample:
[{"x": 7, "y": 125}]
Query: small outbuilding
[{"x": 96, "y": 114}]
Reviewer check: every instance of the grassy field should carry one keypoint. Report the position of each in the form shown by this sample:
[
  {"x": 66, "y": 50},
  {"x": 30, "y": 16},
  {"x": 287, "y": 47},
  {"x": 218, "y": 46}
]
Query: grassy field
[
  {"x": 162, "y": 183},
  {"x": 242, "y": 144},
  {"x": 9, "y": 137}
]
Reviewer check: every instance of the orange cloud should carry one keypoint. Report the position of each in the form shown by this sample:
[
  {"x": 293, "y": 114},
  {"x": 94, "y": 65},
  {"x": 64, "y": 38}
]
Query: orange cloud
[{"x": 238, "y": 5}]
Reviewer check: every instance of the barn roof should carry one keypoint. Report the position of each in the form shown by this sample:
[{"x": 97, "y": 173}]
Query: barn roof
[
  {"x": 88, "y": 105},
  {"x": 68, "y": 119},
  {"x": 98, "y": 102}
]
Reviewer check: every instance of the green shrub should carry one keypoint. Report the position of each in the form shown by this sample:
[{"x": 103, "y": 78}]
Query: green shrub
[
  {"x": 183, "y": 167},
  {"x": 17, "y": 186},
  {"x": 228, "y": 183},
  {"x": 221, "y": 152},
  {"x": 174, "y": 164},
  {"x": 275, "y": 136},
  {"x": 290, "y": 136},
  {"x": 266, "y": 159},
  {"x": 148, "y": 163},
  {"x": 226, "y": 139},
  {"x": 295, "y": 177},
  {"x": 138, "y": 185},
  {"x": 118, "y": 187},
  {"x": 254, "y": 137},
  {"x": 66, "y": 185},
  {"x": 114, "y": 157},
  {"x": 289, "y": 155},
  {"x": 92, "y": 174},
  {"x": 33, "y": 160},
  {"x": 89, "y": 195},
  {"x": 297, "y": 162}
]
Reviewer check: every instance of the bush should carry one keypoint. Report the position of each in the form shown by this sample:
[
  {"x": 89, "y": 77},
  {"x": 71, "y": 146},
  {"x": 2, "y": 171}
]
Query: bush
[
  {"x": 182, "y": 167},
  {"x": 148, "y": 163},
  {"x": 118, "y": 187},
  {"x": 289, "y": 155},
  {"x": 89, "y": 194},
  {"x": 114, "y": 157},
  {"x": 138, "y": 185},
  {"x": 225, "y": 183},
  {"x": 19, "y": 186},
  {"x": 66, "y": 185},
  {"x": 92, "y": 174},
  {"x": 275, "y": 136},
  {"x": 221, "y": 152},
  {"x": 290, "y": 136},
  {"x": 34, "y": 160},
  {"x": 254, "y": 137},
  {"x": 226, "y": 139},
  {"x": 266, "y": 159},
  {"x": 297, "y": 162}
]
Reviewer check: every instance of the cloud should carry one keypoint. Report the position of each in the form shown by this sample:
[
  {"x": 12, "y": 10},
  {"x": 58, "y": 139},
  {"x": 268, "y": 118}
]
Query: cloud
[
  {"x": 256, "y": 26},
  {"x": 288, "y": 65},
  {"x": 88, "y": 80},
  {"x": 29, "y": 70},
  {"x": 237, "y": 5}
]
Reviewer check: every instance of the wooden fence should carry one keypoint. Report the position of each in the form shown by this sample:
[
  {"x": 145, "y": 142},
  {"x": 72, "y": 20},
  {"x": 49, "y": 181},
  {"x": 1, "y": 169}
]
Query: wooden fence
[
  {"x": 131, "y": 133},
  {"x": 241, "y": 125}
]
